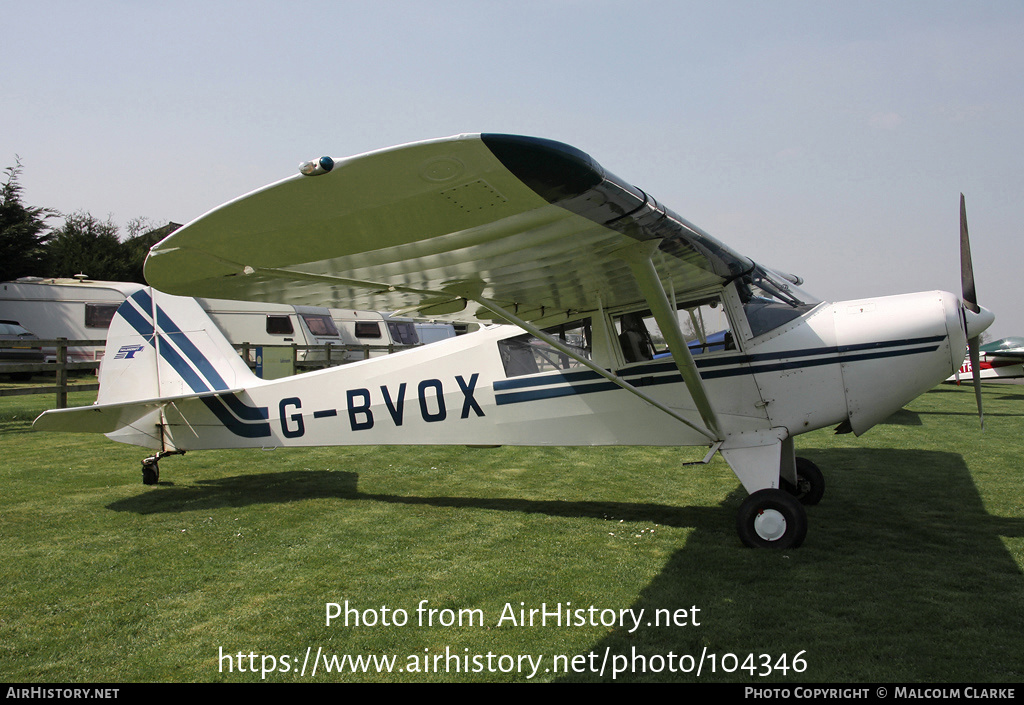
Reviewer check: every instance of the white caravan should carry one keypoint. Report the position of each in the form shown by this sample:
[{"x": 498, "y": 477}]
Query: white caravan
[
  {"x": 434, "y": 331},
  {"x": 367, "y": 328},
  {"x": 76, "y": 309},
  {"x": 247, "y": 323},
  {"x": 81, "y": 309}
]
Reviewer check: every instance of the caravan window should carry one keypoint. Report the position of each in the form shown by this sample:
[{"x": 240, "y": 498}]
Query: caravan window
[
  {"x": 320, "y": 325},
  {"x": 99, "y": 315},
  {"x": 527, "y": 355},
  {"x": 279, "y": 325},
  {"x": 403, "y": 332},
  {"x": 367, "y": 329}
]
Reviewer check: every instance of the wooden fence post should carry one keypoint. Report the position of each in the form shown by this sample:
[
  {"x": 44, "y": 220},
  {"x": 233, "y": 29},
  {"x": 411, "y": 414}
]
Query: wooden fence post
[{"x": 62, "y": 373}]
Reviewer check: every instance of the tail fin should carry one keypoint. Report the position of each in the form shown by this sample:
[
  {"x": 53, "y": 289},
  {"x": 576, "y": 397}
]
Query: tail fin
[{"x": 160, "y": 345}]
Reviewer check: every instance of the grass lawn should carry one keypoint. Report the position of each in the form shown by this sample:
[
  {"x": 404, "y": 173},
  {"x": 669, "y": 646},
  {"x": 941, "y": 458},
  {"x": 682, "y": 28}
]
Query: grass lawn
[{"x": 911, "y": 571}]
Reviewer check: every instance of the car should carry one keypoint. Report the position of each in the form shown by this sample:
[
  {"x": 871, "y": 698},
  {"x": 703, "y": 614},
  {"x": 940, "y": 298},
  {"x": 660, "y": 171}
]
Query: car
[{"x": 16, "y": 346}]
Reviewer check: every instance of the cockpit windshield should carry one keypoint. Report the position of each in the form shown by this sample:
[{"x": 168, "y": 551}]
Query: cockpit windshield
[{"x": 771, "y": 299}]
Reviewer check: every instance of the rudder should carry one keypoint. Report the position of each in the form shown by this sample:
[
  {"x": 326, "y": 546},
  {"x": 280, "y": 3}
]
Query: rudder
[{"x": 160, "y": 345}]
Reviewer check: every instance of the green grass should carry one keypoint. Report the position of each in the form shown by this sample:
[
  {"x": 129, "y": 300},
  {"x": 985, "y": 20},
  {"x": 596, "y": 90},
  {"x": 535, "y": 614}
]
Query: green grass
[{"x": 911, "y": 572}]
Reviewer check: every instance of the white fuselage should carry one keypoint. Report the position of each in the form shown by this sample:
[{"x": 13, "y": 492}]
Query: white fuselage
[{"x": 853, "y": 361}]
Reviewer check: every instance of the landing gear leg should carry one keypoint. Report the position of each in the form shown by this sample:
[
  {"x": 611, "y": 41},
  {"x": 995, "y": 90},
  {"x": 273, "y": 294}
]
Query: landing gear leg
[
  {"x": 770, "y": 517},
  {"x": 810, "y": 483}
]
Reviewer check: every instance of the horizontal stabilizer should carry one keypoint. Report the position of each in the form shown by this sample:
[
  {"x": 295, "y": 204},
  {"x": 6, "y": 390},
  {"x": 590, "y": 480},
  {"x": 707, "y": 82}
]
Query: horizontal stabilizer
[{"x": 107, "y": 418}]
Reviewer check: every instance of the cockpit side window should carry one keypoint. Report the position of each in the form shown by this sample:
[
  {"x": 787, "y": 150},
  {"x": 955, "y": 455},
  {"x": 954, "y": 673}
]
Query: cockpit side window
[
  {"x": 526, "y": 355},
  {"x": 704, "y": 324},
  {"x": 771, "y": 300},
  {"x": 635, "y": 336}
]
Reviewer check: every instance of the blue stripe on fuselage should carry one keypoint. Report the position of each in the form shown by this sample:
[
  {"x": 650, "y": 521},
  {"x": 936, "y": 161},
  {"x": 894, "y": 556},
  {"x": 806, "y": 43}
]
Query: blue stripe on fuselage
[
  {"x": 534, "y": 388},
  {"x": 239, "y": 428}
]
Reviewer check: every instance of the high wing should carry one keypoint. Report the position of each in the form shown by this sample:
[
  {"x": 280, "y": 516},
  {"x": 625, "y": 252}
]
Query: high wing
[{"x": 534, "y": 225}]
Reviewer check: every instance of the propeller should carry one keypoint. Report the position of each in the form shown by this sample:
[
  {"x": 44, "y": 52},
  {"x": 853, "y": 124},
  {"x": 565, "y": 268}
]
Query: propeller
[{"x": 970, "y": 301}]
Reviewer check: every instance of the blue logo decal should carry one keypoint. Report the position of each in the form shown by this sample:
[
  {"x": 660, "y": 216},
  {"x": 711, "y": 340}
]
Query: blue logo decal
[{"x": 127, "y": 352}]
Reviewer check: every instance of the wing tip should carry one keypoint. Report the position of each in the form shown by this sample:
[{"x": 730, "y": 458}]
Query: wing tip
[{"x": 554, "y": 170}]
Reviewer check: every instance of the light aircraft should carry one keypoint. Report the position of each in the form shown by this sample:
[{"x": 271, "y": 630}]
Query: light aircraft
[
  {"x": 596, "y": 278},
  {"x": 1000, "y": 359}
]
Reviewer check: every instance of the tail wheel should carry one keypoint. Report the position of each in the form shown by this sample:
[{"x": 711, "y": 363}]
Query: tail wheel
[
  {"x": 810, "y": 483},
  {"x": 771, "y": 519},
  {"x": 150, "y": 471}
]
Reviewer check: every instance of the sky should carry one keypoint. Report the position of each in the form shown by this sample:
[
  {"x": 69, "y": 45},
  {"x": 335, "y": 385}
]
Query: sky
[{"x": 827, "y": 139}]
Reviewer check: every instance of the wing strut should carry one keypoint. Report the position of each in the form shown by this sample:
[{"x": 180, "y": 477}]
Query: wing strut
[
  {"x": 638, "y": 257},
  {"x": 560, "y": 347}
]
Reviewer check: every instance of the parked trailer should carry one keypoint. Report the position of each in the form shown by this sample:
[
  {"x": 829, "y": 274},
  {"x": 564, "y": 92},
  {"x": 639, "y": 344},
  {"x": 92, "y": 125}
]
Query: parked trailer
[
  {"x": 432, "y": 331},
  {"x": 81, "y": 309},
  {"x": 274, "y": 325},
  {"x": 371, "y": 330},
  {"x": 77, "y": 309}
]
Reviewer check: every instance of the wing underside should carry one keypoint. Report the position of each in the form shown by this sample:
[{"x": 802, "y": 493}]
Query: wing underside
[{"x": 531, "y": 224}]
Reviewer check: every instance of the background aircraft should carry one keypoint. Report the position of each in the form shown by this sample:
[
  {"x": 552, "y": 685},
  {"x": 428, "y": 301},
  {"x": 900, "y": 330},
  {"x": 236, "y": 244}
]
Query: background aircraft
[{"x": 1000, "y": 359}]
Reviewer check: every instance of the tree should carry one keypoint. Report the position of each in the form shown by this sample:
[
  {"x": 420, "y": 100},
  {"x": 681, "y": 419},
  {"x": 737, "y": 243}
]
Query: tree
[
  {"x": 23, "y": 231},
  {"x": 141, "y": 236},
  {"x": 82, "y": 245},
  {"x": 85, "y": 245}
]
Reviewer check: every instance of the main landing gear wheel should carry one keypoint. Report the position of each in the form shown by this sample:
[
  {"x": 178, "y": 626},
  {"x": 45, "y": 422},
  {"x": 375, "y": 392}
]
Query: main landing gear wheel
[
  {"x": 810, "y": 483},
  {"x": 772, "y": 519}
]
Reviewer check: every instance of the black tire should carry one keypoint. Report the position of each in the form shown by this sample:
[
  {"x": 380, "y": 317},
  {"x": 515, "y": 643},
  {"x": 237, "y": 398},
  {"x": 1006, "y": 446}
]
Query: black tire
[
  {"x": 150, "y": 473},
  {"x": 771, "y": 519},
  {"x": 810, "y": 483}
]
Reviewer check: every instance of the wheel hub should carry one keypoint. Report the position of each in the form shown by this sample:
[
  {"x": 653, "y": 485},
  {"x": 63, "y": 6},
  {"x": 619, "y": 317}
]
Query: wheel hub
[{"x": 770, "y": 524}]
